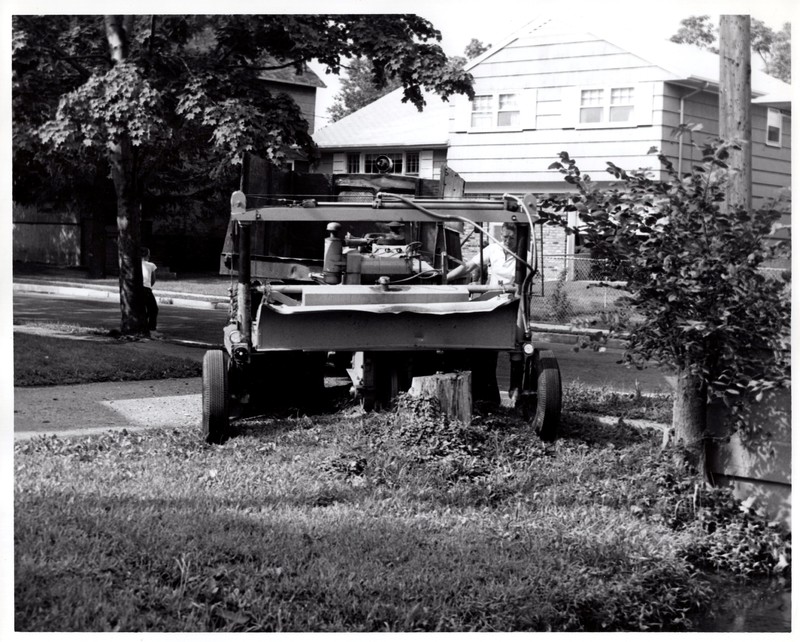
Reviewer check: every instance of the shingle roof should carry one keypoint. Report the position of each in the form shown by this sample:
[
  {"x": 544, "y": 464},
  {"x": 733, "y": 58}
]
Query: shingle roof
[{"x": 389, "y": 122}]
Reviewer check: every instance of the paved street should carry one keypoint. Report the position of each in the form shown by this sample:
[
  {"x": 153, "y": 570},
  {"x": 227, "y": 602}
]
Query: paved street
[
  {"x": 183, "y": 324},
  {"x": 205, "y": 326}
]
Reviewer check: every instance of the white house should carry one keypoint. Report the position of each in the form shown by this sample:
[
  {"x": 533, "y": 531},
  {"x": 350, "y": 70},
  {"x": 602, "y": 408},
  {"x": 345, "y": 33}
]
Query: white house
[{"x": 551, "y": 87}]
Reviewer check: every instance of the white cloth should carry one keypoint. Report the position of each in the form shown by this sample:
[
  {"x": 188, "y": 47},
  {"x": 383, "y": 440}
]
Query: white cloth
[
  {"x": 502, "y": 267},
  {"x": 148, "y": 269}
]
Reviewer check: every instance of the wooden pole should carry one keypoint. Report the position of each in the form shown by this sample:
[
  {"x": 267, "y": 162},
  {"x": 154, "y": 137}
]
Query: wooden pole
[{"x": 734, "y": 105}]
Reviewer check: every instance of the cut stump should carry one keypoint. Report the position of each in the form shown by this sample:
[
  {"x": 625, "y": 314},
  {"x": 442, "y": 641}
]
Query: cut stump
[{"x": 452, "y": 390}]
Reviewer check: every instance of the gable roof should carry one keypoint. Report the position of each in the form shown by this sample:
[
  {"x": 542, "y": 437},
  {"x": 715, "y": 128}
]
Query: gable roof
[
  {"x": 684, "y": 62},
  {"x": 389, "y": 122}
]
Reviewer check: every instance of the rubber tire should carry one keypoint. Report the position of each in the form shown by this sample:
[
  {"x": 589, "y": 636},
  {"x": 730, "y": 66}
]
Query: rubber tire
[
  {"x": 547, "y": 378},
  {"x": 215, "y": 396}
]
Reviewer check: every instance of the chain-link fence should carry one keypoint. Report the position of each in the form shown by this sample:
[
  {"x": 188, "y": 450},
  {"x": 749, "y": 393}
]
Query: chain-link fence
[{"x": 577, "y": 297}]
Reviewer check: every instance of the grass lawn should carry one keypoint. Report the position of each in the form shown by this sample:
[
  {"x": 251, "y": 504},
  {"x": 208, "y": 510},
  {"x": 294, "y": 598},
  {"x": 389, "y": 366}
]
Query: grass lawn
[
  {"x": 79, "y": 355},
  {"x": 366, "y": 522}
]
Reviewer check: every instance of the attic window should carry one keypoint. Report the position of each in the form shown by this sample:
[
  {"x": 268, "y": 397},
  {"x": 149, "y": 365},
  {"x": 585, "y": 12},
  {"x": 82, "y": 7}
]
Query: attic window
[{"x": 774, "y": 128}]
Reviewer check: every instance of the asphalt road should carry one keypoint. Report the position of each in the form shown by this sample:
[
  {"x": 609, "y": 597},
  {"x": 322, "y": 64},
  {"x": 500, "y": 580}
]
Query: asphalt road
[
  {"x": 183, "y": 324},
  {"x": 205, "y": 326}
]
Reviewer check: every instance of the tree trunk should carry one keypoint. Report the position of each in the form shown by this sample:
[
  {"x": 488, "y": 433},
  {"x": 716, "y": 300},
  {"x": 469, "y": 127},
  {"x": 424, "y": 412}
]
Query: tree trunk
[
  {"x": 689, "y": 419},
  {"x": 131, "y": 295},
  {"x": 452, "y": 390},
  {"x": 122, "y": 157},
  {"x": 734, "y": 105}
]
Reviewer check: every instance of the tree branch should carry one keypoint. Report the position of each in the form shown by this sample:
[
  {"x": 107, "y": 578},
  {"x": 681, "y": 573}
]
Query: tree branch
[{"x": 60, "y": 54}]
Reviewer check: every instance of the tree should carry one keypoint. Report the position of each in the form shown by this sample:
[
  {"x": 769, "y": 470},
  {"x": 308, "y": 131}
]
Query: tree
[
  {"x": 774, "y": 48},
  {"x": 358, "y": 89},
  {"x": 475, "y": 48},
  {"x": 691, "y": 270},
  {"x": 164, "y": 99},
  {"x": 360, "y": 86}
]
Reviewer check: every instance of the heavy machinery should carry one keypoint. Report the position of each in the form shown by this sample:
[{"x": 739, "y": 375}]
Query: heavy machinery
[{"x": 376, "y": 302}]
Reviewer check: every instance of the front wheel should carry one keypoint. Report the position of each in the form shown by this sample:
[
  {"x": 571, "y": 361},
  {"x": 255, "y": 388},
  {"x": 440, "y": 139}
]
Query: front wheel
[
  {"x": 215, "y": 396},
  {"x": 543, "y": 377}
]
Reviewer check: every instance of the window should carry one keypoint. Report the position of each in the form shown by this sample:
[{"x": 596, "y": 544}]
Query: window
[
  {"x": 482, "y": 112},
  {"x": 606, "y": 105},
  {"x": 354, "y": 163},
  {"x": 412, "y": 163},
  {"x": 774, "y": 128},
  {"x": 373, "y": 167},
  {"x": 507, "y": 110},
  {"x": 495, "y": 110}
]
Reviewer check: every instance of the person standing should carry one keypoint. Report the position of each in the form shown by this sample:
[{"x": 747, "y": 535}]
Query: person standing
[{"x": 149, "y": 280}]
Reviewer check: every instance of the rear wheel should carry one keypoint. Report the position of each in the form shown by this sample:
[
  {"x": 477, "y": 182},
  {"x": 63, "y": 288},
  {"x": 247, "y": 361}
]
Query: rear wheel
[
  {"x": 215, "y": 396},
  {"x": 543, "y": 378}
]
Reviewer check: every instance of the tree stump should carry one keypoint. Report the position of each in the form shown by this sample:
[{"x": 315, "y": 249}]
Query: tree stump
[{"x": 452, "y": 390}]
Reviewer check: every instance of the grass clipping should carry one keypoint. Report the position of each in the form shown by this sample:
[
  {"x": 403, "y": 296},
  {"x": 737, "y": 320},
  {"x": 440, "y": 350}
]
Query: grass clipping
[{"x": 365, "y": 522}]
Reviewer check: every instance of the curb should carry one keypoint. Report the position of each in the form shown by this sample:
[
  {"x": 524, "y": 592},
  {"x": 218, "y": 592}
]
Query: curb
[
  {"x": 163, "y": 297},
  {"x": 541, "y": 333}
]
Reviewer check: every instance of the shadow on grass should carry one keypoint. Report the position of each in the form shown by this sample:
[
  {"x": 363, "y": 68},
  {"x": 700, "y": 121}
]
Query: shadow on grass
[{"x": 109, "y": 562}]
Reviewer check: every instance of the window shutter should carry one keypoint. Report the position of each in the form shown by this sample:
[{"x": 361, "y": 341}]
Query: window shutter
[
  {"x": 643, "y": 104},
  {"x": 570, "y": 102},
  {"x": 426, "y": 163},
  {"x": 528, "y": 109},
  {"x": 463, "y": 114},
  {"x": 340, "y": 163}
]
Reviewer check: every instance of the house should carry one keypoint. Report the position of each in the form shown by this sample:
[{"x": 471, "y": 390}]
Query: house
[{"x": 557, "y": 86}]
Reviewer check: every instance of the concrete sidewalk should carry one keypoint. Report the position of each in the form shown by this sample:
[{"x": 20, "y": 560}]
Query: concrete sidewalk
[{"x": 86, "y": 409}]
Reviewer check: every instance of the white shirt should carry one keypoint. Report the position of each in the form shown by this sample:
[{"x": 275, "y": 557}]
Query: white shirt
[
  {"x": 502, "y": 267},
  {"x": 147, "y": 273}
]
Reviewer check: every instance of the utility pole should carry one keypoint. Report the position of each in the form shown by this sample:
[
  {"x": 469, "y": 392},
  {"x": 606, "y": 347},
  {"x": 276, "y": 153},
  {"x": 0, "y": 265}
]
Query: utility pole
[{"x": 734, "y": 105}]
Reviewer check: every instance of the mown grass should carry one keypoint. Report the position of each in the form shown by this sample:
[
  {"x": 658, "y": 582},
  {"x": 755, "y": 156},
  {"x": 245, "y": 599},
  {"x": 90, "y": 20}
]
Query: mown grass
[
  {"x": 83, "y": 356},
  {"x": 351, "y": 522}
]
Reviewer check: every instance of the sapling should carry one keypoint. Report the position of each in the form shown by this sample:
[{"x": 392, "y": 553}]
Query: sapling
[{"x": 691, "y": 270}]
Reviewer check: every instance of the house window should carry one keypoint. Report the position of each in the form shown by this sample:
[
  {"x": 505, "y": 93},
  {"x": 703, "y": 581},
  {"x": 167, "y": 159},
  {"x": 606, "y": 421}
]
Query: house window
[
  {"x": 606, "y": 105},
  {"x": 482, "y": 112},
  {"x": 353, "y": 163},
  {"x": 373, "y": 167},
  {"x": 412, "y": 163},
  {"x": 774, "y": 127},
  {"x": 495, "y": 110},
  {"x": 507, "y": 110}
]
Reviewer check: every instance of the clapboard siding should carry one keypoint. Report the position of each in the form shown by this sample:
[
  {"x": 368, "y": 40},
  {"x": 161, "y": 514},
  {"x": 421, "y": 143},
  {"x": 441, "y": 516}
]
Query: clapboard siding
[
  {"x": 556, "y": 66},
  {"x": 771, "y": 165}
]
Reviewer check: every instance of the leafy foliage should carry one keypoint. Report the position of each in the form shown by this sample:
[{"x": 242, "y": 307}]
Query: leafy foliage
[
  {"x": 692, "y": 270},
  {"x": 774, "y": 48},
  {"x": 191, "y": 94},
  {"x": 358, "y": 89},
  {"x": 364, "y": 83}
]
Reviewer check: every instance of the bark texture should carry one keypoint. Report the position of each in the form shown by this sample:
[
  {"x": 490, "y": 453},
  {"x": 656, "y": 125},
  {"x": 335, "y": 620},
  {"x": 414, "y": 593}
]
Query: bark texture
[
  {"x": 122, "y": 158},
  {"x": 689, "y": 419}
]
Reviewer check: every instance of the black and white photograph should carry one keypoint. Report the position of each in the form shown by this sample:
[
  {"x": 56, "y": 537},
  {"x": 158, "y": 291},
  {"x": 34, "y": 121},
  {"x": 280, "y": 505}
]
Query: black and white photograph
[{"x": 420, "y": 317}]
